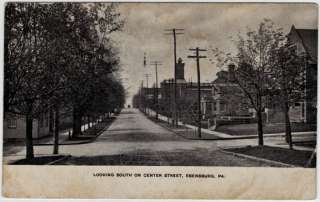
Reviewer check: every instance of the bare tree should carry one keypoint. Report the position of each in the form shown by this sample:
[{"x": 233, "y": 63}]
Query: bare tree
[{"x": 252, "y": 65}]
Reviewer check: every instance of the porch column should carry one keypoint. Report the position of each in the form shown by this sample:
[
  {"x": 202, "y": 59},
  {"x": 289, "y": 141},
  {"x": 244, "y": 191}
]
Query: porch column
[{"x": 204, "y": 107}]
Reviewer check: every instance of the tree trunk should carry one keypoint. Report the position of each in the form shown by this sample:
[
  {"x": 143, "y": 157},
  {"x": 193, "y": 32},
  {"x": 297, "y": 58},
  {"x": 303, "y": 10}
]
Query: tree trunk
[
  {"x": 288, "y": 125},
  {"x": 94, "y": 123},
  {"x": 260, "y": 127},
  {"x": 56, "y": 131},
  {"x": 51, "y": 121},
  {"x": 89, "y": 122},
  {"x": 76, "y": 128},
  {"x": 29, "y": 139}
]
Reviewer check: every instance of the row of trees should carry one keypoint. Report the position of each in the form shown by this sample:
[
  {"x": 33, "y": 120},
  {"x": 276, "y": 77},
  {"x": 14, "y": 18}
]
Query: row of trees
[
  {"x": 60, "y": 56},
  {"x": 268, "y": 68}
]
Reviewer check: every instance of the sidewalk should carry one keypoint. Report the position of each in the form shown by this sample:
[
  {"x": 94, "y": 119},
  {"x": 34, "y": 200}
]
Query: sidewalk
[
  {"x": 64, "y": 137},
  {"x": 13, "y": 152},
  {"x": 274, "y": 139}
]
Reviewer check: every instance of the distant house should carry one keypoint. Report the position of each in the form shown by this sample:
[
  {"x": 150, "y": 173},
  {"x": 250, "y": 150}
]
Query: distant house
[
  {"x": 305, "y": 43},
  {"x": 226, "y": 99},
  {"x": 191, "y": 96},
  {"x": 14, "y": 127},
  {"x": 222, "y": 97},
  {"x": 149, "y": 95},
  {"x": 186, "y": 95}
]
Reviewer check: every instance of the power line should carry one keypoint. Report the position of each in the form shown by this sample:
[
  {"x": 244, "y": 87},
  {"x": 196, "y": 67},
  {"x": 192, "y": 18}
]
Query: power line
[{"x": 144, "y": 60}]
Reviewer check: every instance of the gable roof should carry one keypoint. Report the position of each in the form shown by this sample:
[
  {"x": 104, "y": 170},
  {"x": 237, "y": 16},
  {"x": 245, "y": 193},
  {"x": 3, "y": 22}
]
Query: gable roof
[{"x": 309, "y": 38}]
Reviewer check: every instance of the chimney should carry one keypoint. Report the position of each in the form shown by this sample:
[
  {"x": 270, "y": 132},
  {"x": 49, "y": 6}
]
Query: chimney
[{"x": 180, "y": 70}]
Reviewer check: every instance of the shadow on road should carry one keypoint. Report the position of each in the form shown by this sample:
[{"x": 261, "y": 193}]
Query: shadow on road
[
  {"x": 179, "y": 157},
  {"x": 126, "y": 129},
  {"x": 126, "y": 135}
]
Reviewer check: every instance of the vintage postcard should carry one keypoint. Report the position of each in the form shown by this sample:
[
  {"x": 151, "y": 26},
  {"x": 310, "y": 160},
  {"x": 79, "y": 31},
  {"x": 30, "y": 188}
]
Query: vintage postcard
[{"x": 160, "y": 100}]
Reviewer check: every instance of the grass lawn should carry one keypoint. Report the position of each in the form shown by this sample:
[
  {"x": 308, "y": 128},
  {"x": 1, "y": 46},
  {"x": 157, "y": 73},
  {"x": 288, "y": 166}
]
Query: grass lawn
[
  {"x": 183, "y": 131},
  {"x": 293, "y": 157},
  {"x": 252, "y": 128},
  {"x": 311, "y": 144},
  {"x": 94, "y": 130}
]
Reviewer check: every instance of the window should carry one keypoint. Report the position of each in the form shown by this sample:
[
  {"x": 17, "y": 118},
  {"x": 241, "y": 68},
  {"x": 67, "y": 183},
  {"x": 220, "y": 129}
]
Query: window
[{"x": 12, "y": 122}]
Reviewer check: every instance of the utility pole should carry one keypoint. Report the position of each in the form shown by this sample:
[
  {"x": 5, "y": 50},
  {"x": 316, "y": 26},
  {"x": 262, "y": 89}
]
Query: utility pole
[
  {"x": 175, "y": 32},
  {"x": 147, "y": 92},
  {"x": 147, "y": 79},
  {"x": 156, "y": 64},
  {"x": 144, "y": 60},
  {"x": 144, "y": 91},
  {"x": 197, "y": 56},
  {"x": 140, "y": 96},
  {"x": 171, "y": 90}
]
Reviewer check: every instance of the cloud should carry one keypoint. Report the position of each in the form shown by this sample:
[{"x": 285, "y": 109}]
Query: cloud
[{"x": 205, "y": 24}]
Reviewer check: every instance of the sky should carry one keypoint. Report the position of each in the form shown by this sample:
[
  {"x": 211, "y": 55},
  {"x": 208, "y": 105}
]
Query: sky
[{"x": 206, "y": 25}]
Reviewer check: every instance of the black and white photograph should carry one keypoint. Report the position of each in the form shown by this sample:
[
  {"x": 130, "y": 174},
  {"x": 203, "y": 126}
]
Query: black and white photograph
[{"x": 160, "y": 84}]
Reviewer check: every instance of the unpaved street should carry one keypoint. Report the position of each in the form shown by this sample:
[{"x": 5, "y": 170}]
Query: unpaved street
[{"x": 132, "y": 139}]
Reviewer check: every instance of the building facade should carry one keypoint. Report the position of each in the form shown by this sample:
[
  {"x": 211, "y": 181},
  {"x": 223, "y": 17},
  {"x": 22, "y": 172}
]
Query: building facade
[
  {"x": 305, "y": 43},
  {"x": 14, "y": 127},
  {"x": 226, "y": 100}
]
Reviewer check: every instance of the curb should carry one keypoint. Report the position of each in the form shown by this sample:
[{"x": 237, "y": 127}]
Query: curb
[
  {"x": 277, "y": 134},
  {"x": 276, "y": 163},
  {"x": 58, "y": 160},
  {"x": 221, "y": 138},
  {"x": 215, "y": 139},
  {"x": 170, "y": 129},
  {"x": 225, "y": 136},
  {"x": 77, "y": 143},
  {"x": 71, "y": 143}
]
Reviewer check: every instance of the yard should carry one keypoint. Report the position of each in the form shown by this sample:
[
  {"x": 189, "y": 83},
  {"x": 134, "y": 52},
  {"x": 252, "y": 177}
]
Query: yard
[
  {"x": 292, "y": 157},
  {"x": 252, "y": 128},
  {"x": 183, "y": 131}
]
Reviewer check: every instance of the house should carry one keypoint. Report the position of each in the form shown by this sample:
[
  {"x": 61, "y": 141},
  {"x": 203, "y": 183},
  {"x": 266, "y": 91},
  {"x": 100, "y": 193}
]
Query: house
[
  {"x": 14, "y": 127},
  {"x": 186, "y": 95},
  {"x": 305, "y": 42},
  {"x": 226, "y": 98}
]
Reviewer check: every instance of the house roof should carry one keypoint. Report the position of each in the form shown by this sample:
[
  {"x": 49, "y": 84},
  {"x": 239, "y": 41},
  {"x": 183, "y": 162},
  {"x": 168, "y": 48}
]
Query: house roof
[
  {"x": 309, "y": 38},
  {"x": 223, "y": 78},
  {"x": 219, "y": 80},
  {"x": 229, "y": 89}
]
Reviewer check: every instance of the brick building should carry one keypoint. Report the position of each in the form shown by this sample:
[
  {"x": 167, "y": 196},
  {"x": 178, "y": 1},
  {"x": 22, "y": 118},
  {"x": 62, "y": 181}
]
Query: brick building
[{"x": 186, "y": 95}]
